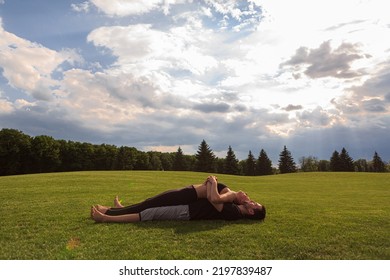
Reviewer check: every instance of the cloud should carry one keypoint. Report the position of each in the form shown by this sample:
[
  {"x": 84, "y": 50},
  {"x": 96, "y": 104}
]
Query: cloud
[
  {"x": 81, "y": 7},
  {"x": 235, "y": 15},
  {"x": 374, "y": 105},
  {"x": 344, "y": 24},
  {"x": 291, "y": 107},
  {"x": 121, "y": 8},
  {"x": 143, "y": 48},
  {"x": 216, "y": 70},
  {"x": 317, "y": 118},
  {"x": 212, "y": 107},
  {"x": 6, "y": 107},
  {"x": 29, "y": 66},
  {"x": 371, "y": 98},
  {"x": 360, "y": 141},
  {"x": 232, "y": 14},
  {"x": 387, "y": 97},
  {"x": 327, "y": 62},
  {"x": 377, "y": 85}
]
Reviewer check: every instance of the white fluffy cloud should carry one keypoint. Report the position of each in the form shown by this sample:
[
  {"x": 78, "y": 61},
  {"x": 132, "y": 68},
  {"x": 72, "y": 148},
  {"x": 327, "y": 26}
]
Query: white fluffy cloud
[
  {"x": 29, "y": 66},
  {"x": 6, "y": 107},
  {"x": 126, "y": 7},
  {"x": 144, "y": 49},
  {"x": 234, "y": 9}
]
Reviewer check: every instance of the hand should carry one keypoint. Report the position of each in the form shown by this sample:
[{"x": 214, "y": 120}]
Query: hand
[
  {"x": 212, "y": 179},
  {"x": 208, "y": 179}
]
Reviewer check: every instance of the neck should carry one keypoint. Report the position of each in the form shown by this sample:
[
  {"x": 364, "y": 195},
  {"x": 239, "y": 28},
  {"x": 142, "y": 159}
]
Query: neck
[{"x": 242, "y": 209}]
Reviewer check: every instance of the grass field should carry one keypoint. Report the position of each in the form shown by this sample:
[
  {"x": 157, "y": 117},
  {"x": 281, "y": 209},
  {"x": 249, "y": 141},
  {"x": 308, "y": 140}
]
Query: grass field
[{"x": 309, "y": 216}]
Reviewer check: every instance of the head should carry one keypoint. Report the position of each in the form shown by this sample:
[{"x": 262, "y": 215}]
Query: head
[{"x": 254, "y": 210}]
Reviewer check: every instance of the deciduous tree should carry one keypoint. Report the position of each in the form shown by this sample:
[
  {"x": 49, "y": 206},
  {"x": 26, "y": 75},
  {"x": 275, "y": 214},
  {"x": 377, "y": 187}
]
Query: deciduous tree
[{"x": 15, "y": 148}]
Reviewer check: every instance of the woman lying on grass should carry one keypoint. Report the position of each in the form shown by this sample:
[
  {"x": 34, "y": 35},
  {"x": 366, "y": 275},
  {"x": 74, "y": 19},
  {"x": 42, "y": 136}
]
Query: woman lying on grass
[{"x": 197, "y": 202}]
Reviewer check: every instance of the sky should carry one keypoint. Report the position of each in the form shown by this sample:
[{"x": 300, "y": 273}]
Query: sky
[{"x": 313, "y": 76}]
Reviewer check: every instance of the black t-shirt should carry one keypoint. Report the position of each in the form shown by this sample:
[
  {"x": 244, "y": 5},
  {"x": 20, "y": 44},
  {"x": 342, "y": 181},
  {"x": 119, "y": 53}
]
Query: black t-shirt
[{"x": 202, "y": 209}]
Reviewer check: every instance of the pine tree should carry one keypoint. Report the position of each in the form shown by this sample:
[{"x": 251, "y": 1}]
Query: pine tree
[
  {"x": 205, "y": 158},
  {"x": 335, "y": 162},
  {"x": 179, "y": 163},
  {"x": 286, "y": 162},
  {"x": 263, "y": 164},
  {"x": 346, "y": 162},
  {"x": 250, "y": 166},
  {"x": 231, "y": 163},
  {"x": 377, "y": 164}
]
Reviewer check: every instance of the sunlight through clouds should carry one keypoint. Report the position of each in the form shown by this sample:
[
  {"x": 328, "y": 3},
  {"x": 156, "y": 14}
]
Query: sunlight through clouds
[{"x": 165, "y": 73}]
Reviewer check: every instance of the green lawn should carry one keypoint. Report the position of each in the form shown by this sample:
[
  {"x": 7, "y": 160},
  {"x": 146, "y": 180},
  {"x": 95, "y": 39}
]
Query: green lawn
[{"x": 309, "y": 216}]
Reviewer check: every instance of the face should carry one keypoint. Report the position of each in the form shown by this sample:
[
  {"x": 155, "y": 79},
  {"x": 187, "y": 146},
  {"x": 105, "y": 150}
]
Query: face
[{"x": 251, "y": 205}]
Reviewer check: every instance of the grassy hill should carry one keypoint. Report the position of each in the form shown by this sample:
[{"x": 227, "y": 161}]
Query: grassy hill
[{"x": 309, "y": 216}]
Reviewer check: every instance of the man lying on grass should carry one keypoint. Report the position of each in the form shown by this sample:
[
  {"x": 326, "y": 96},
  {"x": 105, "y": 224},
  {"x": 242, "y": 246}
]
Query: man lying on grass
[{"x": 215, "y": 205}]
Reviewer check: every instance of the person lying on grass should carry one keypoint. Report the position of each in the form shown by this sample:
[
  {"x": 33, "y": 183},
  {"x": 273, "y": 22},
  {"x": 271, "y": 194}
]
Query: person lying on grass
[
  {"x": 181, "y": 196},
  {"x": 210, "y": 208}
]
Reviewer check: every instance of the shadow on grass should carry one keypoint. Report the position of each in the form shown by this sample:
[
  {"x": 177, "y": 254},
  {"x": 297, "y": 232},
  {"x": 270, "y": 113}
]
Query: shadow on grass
[
  {"x": 185, "y": 227},
  {"x": 188, "y": 227}
]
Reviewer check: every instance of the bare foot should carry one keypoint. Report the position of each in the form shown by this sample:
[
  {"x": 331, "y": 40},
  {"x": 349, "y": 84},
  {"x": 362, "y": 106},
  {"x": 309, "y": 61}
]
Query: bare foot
[
  {"x": 117, "y": 203},
  {"x": 96, "y": 215},
  {"x": 102, "y": 209}
]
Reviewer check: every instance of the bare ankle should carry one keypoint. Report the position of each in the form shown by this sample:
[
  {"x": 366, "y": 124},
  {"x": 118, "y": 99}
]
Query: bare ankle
[{"x": 117, "y": 203}]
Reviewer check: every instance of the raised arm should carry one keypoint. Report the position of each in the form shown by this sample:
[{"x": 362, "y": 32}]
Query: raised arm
[
  {"x": 212, "y": 193},
  {"x": 212, "y": 190}
]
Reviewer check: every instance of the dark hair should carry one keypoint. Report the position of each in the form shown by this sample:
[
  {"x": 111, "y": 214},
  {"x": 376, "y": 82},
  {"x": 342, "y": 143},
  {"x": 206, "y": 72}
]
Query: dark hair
[{"x": 259, "y": 214}]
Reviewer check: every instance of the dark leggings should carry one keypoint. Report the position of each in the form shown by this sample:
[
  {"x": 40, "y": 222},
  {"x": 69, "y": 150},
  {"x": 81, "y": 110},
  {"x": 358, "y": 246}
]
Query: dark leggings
[{"x": 181, "y": 196}]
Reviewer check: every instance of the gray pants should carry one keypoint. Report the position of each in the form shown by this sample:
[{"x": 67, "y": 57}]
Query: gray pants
[{"x": 177, "y": 212}]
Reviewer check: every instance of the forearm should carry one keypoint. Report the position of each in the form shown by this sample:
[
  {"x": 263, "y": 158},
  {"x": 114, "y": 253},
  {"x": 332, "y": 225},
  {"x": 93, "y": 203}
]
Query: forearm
[
  {"x": 208, "y": 189},
  {"x": 213, "y": 194},
  {"x": 230, "y": 196}
]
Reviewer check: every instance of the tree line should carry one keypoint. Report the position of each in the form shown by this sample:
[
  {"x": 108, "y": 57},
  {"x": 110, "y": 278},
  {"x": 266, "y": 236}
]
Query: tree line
[{"x": 23, "y": 154}]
